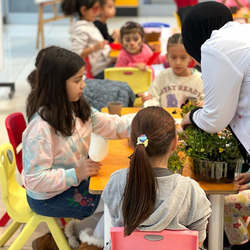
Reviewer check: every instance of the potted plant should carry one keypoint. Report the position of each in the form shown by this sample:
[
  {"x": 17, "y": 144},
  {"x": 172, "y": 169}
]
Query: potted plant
[{"x": 216, "y": 157}]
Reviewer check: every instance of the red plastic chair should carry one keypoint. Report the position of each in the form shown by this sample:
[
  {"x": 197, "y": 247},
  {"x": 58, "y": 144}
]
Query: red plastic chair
[
  {"x": 88, "y": 68},
  {"x": 15, "y": 125},
  {"x": 148, "y": 240}
]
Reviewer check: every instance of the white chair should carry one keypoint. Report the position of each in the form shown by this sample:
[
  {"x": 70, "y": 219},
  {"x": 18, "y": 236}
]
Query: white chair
[{"x": 42, "y": 21}]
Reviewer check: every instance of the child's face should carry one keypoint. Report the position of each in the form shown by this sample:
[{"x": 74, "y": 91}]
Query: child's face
[
  {"x": 108, "y": 10},
  {"x": 75, "y": 85},
  {"x": 178, "y": 59},
  {"x": 90, "y": 14},
  {"x": 132, "y": 42}
]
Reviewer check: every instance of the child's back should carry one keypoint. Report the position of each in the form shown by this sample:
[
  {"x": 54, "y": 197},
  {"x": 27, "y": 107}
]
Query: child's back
[
  {"x": 147, "y": 195},
  {"x": 179, "y": 204}
]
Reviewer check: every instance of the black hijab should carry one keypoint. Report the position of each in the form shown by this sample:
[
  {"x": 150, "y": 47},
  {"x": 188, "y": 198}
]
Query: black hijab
[{"x": 199, "y": 23}]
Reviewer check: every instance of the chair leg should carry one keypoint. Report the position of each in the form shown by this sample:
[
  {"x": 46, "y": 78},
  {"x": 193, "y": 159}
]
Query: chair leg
[
  {"x": 4, "y": 219},
  {"x": 26, "y": 233},
  {"x": 57, "y": 233},
  {"x": 9, "y": 232}
]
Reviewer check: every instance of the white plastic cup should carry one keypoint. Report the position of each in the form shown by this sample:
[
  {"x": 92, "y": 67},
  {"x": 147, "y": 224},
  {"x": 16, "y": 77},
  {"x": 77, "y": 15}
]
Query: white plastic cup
[{"x": 98, "y": 148}]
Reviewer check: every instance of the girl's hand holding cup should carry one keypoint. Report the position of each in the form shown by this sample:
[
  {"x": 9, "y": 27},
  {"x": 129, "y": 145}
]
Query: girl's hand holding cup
[{"x": 87, "y": 169}]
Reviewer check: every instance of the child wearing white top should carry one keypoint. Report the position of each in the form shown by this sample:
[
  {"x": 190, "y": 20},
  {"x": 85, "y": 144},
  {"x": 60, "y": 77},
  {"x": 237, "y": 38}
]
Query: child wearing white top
[
  {"x": 86, "y": 39},
  {"x": 175, "y": 84}
]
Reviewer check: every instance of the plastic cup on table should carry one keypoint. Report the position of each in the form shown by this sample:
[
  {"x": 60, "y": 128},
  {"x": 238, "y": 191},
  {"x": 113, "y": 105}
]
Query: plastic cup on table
[{"x": 98, "y": 148}]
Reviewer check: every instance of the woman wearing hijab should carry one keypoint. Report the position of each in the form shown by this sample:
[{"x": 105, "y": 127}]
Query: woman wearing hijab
[{"x": 223, "y": 49}]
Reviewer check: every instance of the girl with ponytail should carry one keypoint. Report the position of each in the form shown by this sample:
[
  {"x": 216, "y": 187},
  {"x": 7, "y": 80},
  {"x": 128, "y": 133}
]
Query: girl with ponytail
[{"x": 147, "y": 196}]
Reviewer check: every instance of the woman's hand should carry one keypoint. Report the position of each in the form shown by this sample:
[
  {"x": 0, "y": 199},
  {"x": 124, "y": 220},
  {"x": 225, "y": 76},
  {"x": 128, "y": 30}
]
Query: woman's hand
[
  {"x": 185, "y": 121},
  {"x": 87, "y": 169},
  {"x": 199, "y": 103},
  {"x": 145, "y": 96},
  {"x": 243, "y": 181},
  {"x": 100, "y": 45}
]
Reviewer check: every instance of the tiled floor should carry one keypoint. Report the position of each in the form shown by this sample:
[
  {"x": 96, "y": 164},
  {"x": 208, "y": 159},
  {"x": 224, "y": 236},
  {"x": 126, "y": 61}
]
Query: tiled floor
[{"x": 19, "y": 58}]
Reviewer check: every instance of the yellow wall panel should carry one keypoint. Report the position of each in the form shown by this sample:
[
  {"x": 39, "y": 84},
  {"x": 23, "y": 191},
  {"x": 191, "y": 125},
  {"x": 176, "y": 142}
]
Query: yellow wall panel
[{"x": 126, "y": 3}]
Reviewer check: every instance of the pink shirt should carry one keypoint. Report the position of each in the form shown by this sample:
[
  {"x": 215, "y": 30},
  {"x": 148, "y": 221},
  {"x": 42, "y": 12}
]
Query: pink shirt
[
  {"x": 128, "y": 60},
  {"x": 232, "y": 3}
]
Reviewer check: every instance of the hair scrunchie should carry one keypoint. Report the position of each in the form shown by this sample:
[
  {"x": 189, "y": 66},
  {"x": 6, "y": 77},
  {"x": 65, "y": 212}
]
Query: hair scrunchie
[{"x": 142, "y": 139}]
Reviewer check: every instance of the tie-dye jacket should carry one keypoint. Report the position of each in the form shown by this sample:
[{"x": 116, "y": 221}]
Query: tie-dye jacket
[{"x": 49, "y": 160}]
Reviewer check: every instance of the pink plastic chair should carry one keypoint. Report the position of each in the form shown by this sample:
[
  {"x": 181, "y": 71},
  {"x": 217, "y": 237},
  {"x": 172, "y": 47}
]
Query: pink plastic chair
[{"x": 164, "y": 240}]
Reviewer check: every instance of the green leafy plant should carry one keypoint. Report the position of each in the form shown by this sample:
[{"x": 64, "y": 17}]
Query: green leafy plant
[
  {"x": 176, "y": 160},
  {"x": 220, "y": 146}
]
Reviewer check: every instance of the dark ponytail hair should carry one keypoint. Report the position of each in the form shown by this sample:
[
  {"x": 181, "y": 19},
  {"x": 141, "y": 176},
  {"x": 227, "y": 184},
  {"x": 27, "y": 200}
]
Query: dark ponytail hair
[
  {"x": 73, "y": 7},
  {"x": 32, "y": 77},
  {"x": 140, "y": 191}
]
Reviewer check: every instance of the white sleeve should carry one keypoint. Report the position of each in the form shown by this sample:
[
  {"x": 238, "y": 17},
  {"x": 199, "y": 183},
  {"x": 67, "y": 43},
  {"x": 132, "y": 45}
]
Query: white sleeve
[
  {"x": 110, "y": 126},
  {"x": 222, "y": 84},
  {"x": 79, "y": 41}
]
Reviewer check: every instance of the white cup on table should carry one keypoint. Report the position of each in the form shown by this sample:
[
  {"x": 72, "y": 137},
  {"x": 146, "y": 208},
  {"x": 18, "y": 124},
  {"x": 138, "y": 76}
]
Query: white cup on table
[{"x": 98, "y": 148}]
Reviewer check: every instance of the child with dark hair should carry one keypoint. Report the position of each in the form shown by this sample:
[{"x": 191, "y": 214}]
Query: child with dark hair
[
  {"x": 173, "y": 85},
  {"x": 135, "y": 52},
  {"x": 56, "y": 141},
  {"x": 107, "y": 10},
  {"x": 32, "y": 77},
  {"x": 147, "y": 196},
  {"x": 86, "y": 39}
]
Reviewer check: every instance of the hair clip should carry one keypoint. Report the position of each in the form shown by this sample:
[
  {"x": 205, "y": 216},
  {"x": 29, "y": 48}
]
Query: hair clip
[{"x": 142, "y": 139}]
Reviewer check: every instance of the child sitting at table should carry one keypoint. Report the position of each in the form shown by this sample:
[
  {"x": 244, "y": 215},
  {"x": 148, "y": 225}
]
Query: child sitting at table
[
  {"x": 86, "y": 39},
  {"x": 147, "y": 196},
  {"x": 135, "y": 52},
  {"x": 56, "y": 167},
  {"x": 175, "y": 84},
  {"x": 107, "y": 10}
]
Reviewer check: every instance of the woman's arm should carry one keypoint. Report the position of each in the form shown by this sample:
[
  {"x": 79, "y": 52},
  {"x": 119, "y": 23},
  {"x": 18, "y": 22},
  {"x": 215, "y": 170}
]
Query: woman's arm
[{"x": 222, "y": 84}]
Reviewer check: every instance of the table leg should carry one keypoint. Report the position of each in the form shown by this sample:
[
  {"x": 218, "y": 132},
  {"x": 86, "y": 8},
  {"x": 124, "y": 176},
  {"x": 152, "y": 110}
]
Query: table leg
[
  {"x": 216, "y": 222},
  {"x": 107, "y": 225}
]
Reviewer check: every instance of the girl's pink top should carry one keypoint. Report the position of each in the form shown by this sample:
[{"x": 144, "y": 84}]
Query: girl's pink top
[
  {"x": 232, "y": 3},
  {"x": 126, "y": 59}
]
